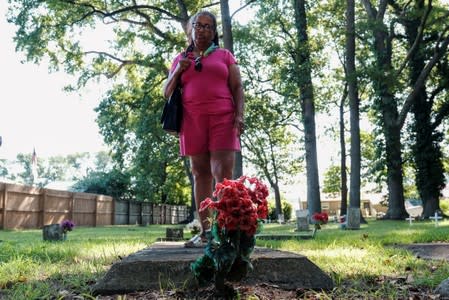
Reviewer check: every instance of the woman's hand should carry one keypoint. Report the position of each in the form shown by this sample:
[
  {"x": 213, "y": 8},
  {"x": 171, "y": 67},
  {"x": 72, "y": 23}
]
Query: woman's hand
[
  {"x": 173, "y": 77},
  {"x": 183, "y": 64},
  {"x": 239, "y": 124}
]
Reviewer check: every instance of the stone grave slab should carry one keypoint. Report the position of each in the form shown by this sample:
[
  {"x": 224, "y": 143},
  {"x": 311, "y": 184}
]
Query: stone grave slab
[
  {"x": 52, "y": 232},
  {"x": 167, "y": 265},
  {"x": 304, "y": 235},
  {"x": 439, "y": 251}
]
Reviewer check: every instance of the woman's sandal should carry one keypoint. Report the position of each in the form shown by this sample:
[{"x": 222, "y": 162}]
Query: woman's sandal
[{"x": 197, "y": 241}]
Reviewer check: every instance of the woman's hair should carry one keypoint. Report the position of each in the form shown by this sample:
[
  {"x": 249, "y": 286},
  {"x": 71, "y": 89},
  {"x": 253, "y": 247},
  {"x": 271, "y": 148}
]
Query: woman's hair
[{"x": 193, "y": 20}]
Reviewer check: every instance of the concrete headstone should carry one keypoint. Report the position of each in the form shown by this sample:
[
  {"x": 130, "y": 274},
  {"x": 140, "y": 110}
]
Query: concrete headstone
[
  {"x": 52, "y": 232},
  {"x": 302, "y": 220},
  {"x": 443, "y": 289},
  {"x": 174, "y": 234},
  {"x": 353, "y": 218}
]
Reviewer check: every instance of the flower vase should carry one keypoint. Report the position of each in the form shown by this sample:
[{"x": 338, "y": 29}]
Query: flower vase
[
  {"x": 315, "y": 229},
  {"x": 64, "y": 236}
]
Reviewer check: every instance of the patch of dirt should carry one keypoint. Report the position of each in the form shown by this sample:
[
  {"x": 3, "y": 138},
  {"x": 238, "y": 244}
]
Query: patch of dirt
[
  {"x": 260, "y": 291},
  {"x": 272, "y": 292}
]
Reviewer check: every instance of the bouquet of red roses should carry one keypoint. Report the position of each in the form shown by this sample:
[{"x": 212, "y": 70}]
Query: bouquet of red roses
[
  {"x": 320, "y": 219},
  {"x": 238, "y": 213}
]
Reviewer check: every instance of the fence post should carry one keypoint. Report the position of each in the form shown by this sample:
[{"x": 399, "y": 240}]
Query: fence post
[
  {"x": 71, "y": 206},
  {"x": 141, "y": 213},
  {"x": 43, "y": 199},
  {"x": 96, "y": 211},
  {"x": 113, "y": 212},
  {"x": 129, "y": 212},
  {"x": 5, "y": 197}
]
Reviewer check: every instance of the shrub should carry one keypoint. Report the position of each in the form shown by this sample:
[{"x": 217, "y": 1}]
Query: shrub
[
  {"x": 444, "y": 206},
  {"x": 286, "y": 210}
]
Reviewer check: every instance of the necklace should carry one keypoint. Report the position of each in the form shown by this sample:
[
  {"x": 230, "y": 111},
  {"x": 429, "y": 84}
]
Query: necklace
[
  {"x": 198, "y": 64},
  {"x": 209, "y": 50}
]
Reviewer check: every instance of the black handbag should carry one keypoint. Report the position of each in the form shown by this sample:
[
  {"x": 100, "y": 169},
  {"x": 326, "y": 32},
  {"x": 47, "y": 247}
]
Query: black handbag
[{"x": 172, "y": 114}]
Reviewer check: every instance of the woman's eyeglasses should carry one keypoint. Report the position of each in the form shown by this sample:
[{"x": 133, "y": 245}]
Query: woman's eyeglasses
[
  {"x": 198, "y": 65},
  {"x": 199, "y": 26}
]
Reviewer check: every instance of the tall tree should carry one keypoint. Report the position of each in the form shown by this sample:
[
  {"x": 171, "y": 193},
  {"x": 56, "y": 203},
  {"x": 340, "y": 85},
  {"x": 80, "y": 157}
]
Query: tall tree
[
  {"x": 425, "y": 146},
  {"x": 353, "y": 94},
  {"x": 229, "y": 44},
  {"x": 271, "y": 144},
  {"x": 271, "y": 147},
  {"x": 305, "y": 85},
  {"x": 385, "y": 79},
  {"x": 343, "y": 167}
]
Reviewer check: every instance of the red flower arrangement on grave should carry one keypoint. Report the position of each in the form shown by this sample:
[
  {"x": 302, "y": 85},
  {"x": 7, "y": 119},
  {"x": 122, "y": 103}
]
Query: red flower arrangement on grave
[
  {"x": 320, "y": 219},
  {"x": 237, "y": 216}
]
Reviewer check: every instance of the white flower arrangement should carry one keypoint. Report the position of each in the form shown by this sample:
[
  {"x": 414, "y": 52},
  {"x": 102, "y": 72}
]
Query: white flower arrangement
[{"x": 194, "y": 226}]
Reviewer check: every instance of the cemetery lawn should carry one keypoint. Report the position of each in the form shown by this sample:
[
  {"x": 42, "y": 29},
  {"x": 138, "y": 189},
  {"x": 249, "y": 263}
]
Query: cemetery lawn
[{"x": 362, "y": 263}]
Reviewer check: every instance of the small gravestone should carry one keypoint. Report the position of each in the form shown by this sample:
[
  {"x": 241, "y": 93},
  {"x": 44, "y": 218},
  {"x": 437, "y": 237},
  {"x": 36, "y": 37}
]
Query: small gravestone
[
  {"x": 52, "y": 232},
  {"x": 443, "y": 289},
  {"x": 281, "y": 219},
  {"x": 353, "y": 218},
  {"x": 302, "y": 220},
  {"x": 435, "y": 218},
  {"x": 174, "y": 234}
]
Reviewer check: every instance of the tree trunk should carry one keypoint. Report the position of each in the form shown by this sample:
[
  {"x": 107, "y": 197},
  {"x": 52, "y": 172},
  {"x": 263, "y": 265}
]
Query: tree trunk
[
  {"x": 228, "y": 43},
  {"x": 396, "y": 208},
  {"x": 277, "y": 199},
  {"x": 308, "y": 107},
  {"x": 426, "y": 149},
  {"x": 343, "y": 173},
  {"x": 387, "y": 106},
  {"x": 354, "y": 108}
]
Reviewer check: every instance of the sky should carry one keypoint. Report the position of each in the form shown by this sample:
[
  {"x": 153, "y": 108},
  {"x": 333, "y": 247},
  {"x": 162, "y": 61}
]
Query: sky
[{"x": 35, "y": 113}]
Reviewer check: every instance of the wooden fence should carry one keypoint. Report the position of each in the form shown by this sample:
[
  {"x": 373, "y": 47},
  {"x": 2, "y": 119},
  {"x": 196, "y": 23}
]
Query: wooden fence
[
  {"x": 31, "y": 207},
  {"x": 131, "y": 212}
]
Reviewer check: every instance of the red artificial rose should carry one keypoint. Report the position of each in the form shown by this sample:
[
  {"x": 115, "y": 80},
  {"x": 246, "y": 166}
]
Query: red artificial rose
[
  {"x": 240, "y": 203},
  {"x": 321, "y": 218}
]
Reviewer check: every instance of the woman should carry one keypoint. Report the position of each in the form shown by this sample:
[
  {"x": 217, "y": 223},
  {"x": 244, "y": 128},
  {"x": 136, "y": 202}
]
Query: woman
[{"x": 213, "y": 106}]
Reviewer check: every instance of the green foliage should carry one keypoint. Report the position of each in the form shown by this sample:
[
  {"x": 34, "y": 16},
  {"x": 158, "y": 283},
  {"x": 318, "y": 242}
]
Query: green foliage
[
  {"x": 113, "y": 183},
  {"x": 444, "y": 206},
  {"x": 287, "y": 209},
  {"x": 227, "y": 256},
  {"x": 332, "y": 180}
]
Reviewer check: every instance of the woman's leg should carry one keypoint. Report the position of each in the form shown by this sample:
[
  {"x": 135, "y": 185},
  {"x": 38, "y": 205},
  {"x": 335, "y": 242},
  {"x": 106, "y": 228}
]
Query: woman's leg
[
  {"x": 222, "y": 164},
  {"x": 202, "y": 177}
]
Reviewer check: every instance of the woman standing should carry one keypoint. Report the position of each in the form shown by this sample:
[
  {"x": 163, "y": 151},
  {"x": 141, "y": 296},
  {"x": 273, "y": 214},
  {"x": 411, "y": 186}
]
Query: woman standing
[{"x": 213, "y": 106}]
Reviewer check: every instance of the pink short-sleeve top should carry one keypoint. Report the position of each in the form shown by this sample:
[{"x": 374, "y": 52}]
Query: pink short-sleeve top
[{"x": 207, "y": 91}]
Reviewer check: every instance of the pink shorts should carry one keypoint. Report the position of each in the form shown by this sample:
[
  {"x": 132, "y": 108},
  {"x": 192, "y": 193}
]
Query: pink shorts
[{"x": 201, "y": 133}]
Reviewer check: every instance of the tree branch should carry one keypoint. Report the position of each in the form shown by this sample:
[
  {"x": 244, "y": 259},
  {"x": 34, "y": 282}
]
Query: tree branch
[
  {"x": 242, "y": 7},
  {"x": 441, "y": 114},
  {"x": 370, "y": 10},
  {"x": 418, "y": 39},
  {"x": 440, "y": 50},
  {"x": 122, "y": 62}
]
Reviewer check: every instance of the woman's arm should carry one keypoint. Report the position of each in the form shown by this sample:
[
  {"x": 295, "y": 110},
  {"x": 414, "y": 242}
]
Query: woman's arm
[
  {"x": 174, "y": 76},
  {"x": 235, "y": 84}
]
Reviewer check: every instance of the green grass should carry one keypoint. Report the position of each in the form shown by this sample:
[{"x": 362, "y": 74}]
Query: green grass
[{"x": 362, "y": 262}]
